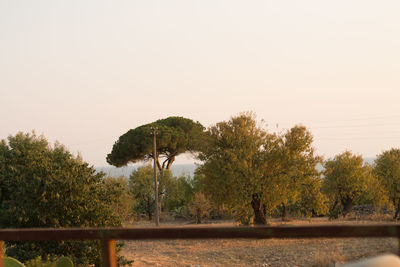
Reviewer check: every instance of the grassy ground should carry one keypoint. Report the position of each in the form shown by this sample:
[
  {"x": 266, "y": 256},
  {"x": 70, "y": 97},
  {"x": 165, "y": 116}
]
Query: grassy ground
[{"x": 249, "y": 252}]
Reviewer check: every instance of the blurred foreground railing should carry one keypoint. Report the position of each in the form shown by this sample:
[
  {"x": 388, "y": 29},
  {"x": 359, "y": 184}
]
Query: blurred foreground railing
[{"x": 107, "y": 236}]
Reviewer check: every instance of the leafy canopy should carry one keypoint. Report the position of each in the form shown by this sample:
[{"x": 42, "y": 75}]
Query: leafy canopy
[
  {"x": 44, "y": 186},
  {"x": 387, "y": 169},
  {"x": 253, "y": 171},
  {"x": 175, "y": 135},
  {"x": 348, "y": 181},
  {"x": 141, "y": 187}
]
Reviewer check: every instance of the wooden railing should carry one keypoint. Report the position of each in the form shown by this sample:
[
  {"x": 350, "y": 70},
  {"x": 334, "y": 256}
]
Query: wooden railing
[{"x": 107, "y": 236}]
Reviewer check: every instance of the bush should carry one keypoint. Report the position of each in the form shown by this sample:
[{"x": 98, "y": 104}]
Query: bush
[{"x": 44, "y": 186}]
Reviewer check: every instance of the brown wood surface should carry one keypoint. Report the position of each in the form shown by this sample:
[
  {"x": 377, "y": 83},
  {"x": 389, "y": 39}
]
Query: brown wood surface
[
  {"x": 107, "y": 236},
  {"x": 108, "y": 253},
  {"x": 331, "y": 231},
  {"x": 1, "y": 254}
]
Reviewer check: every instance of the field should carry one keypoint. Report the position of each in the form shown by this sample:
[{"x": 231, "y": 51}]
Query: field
[{"x": 250, "y": 252}]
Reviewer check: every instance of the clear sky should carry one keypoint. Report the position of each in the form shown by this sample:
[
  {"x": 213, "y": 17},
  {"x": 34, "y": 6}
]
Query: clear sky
[{"x": 84, "y": 72}]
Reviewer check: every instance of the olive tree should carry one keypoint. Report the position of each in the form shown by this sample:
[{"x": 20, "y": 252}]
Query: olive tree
[
  {"x": 299, "y": 180},
  {"x": 387, "y": 169},
  {"x": 253, "y": 171},
  {"x": 348, "y": 181}
]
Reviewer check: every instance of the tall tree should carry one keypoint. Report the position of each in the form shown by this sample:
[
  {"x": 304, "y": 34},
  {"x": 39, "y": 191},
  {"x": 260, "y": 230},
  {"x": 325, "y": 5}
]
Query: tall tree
[
  {"x": 253, "y": 171},
  {"x": 233, "y": 165},
  {"x": 299, "y": 173},
  {"x": 175, "y": 135},
  {"x": 387, "y": 169}
]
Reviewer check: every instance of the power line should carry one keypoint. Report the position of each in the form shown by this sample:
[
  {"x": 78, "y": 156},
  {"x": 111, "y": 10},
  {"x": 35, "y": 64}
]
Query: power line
[
  {"x": 358, "y": 138},
  {"x": 345, "y": 120},
  {"x": 356, "y": 126}
]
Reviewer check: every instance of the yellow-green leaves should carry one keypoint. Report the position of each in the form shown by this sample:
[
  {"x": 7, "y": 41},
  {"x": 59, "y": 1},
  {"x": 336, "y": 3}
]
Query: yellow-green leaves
[
  {"x": 387, "y": 169},
  {"x": 245, "y": 167},
  {"x": 348, "y": 181}
]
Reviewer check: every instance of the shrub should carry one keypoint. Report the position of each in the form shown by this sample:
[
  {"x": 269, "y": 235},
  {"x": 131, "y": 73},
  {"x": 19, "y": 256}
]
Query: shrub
[{"x": 45, "y": 186}]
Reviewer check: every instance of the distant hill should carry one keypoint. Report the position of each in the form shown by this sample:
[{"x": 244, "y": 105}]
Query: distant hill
[
  {"x": 366, "y": 160},
  {"x": 369, "y": 160},
  {"x": 177, "y": 170}
]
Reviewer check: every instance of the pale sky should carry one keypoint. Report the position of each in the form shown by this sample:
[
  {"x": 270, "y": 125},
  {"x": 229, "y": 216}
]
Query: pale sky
[{"x": 84, "y": 72}]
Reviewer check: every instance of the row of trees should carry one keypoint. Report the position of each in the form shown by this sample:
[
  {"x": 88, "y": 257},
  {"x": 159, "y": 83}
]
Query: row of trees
[
  {"x": 346, "y": 181},
  {"x": 246, "y": 171},
  {"x": 254, "y": 173}
]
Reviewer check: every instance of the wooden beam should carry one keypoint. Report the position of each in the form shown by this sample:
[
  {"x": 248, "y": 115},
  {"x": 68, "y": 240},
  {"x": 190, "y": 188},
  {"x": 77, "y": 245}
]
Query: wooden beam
[
  {"x": 323, "y": 231},
  {"x": 1, "y": 253},
  {"x": 108, "y": 253}
]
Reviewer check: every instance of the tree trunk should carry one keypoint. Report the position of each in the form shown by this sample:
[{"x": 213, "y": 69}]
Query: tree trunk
[
  {"x": 160, "y": 200},
  {"x": 259, "y": 210},
  {"x": 284, "y": 212},
  {"x": 149, "y": 210},
  {"x": 396, "y": 214},
  {"x": 170, "y": 161},
  {"x": 198, "y": 216},
  {"x": 333, "y": 212},
  {"x": 347, "y": 205},
  {"x": 158, "y": 165}
]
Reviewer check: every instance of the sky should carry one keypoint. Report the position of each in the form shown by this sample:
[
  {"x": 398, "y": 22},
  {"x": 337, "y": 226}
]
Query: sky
[{"x": 85, "y": 72}]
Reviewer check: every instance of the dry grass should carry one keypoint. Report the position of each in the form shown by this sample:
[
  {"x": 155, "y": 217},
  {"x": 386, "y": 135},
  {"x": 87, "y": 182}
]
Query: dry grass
[
  {"x": 250, "y": 252},
  {"x": 332, "y": 258}
]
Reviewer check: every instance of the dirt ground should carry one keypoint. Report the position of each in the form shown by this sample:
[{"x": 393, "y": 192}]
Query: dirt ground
[{"x": 255, "y": 252}]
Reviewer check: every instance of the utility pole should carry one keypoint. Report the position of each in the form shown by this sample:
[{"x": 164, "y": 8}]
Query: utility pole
[{"x": 157, "y": 219}]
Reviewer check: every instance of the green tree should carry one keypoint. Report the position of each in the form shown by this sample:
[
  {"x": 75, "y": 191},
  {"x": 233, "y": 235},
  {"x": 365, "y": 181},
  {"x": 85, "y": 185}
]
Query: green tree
[
  {"x": 233, "y": 165},
  {"x": 175, "y": 135},
  {"x": 299, "y": 176},
  {"x": 311, "y": 202},
  {"x": 141, "y": 184},
  {"x": 199, "y": 206},
  {"x": 179, "y": 193},
  {"x": 253, "y": 171},
  {"x": 118, "y": 190},
  {"x": 348, "y": 181},
  {"x": 45, "y": 186},
  {"x": 387, "y": 169}
]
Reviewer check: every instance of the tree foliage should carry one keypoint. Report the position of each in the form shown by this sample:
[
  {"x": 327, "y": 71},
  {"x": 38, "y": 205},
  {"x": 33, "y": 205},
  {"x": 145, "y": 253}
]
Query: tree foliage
[
  {"x": 199, "y": 206},
  {"x": 311, "y": 201},
  {"x": 118, "y": 190},
  {"x": 141, "y": 184},
  {"x": 387, "y": 169},
  {"x": 179, "y": 193},
  {"x": 233, "y": 163},
  {"x": 299, "y": 179},
  {"x": 175, "y": 135},
  {"x": 253, "y": 171},
  {"x": 348, "y": 181},
  {"x": 44, "y": 186}
]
